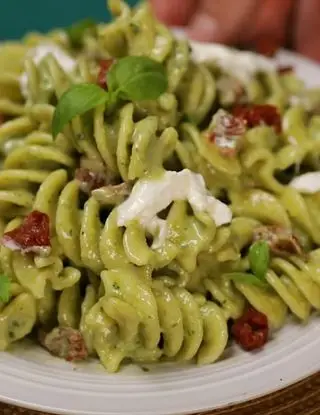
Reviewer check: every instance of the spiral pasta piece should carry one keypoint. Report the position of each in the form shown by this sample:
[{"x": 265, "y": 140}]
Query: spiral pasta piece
[
  {"x": 303, "y": 211},
  {"x": 17, "y": 319},
  {"x": 190, "y": 327},
  {"x": 130, "y": 246},
  {"x": 297, "y": 283}
]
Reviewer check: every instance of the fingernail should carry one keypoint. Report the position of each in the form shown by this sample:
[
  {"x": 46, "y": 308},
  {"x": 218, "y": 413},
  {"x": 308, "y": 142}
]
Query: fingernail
[{"x": 203, "y": 28}]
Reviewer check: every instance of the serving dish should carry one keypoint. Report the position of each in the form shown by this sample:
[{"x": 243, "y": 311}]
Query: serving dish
[
  {"x": 29, "y": 377},
  {"x": 155, "y": 209}
]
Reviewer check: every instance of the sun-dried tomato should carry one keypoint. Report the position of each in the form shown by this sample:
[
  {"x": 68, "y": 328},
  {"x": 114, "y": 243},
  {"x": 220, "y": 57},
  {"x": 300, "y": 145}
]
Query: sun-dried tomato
[
  {"x": 281, "y": 240},
  {"x": 89, "y": 180},
  {"x": 256, "y": 115},
  {"x": 251, "y": 330},
  {"x": 33, "y": 235},
  {"x": 104, "y": 66},
  {"x": 227, "y": 132},
  {"x": 284, "y": 70},
  {"x": 2, "y": 119},
  {"x": 64, "y": 342}
]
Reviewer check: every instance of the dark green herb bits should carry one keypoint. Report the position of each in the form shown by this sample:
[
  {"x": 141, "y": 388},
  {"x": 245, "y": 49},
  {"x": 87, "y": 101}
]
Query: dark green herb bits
[
  {"x": 77, "y": 100},
  {"x": 259, "y": 258},
  {"x": 77, "y": 31},
  {"x": 133, "y": 78},
  {"x": 5, "y": 294},
  {"x": 246, "y": 278}
]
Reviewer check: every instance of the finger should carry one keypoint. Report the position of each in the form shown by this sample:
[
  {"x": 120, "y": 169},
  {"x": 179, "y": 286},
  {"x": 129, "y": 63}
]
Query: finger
[
  {"x": 174, "y": 12},
  {"x": 221, "y": 20},
  {"x": 270, "y": 29},
  {"x": 308, "y": 29},
  {"x": 271, "y": 20}
]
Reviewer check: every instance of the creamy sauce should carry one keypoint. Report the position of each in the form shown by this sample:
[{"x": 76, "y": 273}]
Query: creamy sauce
[
  {"x": 151, "y": 196},
  {"x": 38, "y": 53},
  {"x": 307, "y": 183},
  {"x": 241, "y": 65}
]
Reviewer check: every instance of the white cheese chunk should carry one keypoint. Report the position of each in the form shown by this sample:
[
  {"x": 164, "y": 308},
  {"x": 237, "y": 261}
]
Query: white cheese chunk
[
  {"x": 307, "y": 183},
  {"x": 241, "y": 65},
  {"x": 151, "y": 196}
]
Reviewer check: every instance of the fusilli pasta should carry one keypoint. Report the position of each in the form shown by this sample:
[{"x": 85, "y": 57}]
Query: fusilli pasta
[{"x": 154, "y": 207}]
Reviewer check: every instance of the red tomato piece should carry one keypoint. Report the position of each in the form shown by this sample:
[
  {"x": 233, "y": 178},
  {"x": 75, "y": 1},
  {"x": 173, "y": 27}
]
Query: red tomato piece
[
  {"x": 251, "y": 330},
  {"x": 33, "y": 235},
  {"x": 256, "y": 115}
]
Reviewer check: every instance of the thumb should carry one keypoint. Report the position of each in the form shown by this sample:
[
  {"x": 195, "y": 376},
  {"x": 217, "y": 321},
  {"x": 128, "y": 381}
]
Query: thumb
[
  {"x": 221, "y": 21},
  {"x": 174, "y": 12}
]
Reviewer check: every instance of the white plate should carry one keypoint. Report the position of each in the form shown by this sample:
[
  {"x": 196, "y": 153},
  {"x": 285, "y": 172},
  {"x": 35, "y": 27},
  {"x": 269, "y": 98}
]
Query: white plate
[{"x": 30, "y": 377}]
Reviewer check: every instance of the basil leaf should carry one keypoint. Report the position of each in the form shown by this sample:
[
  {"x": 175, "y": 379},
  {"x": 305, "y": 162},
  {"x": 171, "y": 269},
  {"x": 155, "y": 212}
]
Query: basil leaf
[
  {"x": 4, "y": 288},
  {"x": 137, "y": 78},
  {"x": 77, "y": 31},
  {"x": 132, "y": 78},
  {"x": 77, "y": 100},
  {"x": 259, "y": 258},
  {"x": 246, "y": 278}
]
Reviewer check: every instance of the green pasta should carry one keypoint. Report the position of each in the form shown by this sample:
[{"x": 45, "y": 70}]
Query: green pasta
[{"x": 148, "y": 207}]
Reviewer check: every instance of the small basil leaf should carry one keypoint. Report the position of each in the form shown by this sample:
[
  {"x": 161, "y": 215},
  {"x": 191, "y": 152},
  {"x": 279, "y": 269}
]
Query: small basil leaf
[
  {"x": 4, "y": 288},
  {"x": 246, "y": 278},
  {"x": 259, "y": 258},
  {"x": 77, "y": 100},
  {"x": 137, "y": 78},
  {"x": 145, "y": 87},
  {"x": 77, "y": 31}
]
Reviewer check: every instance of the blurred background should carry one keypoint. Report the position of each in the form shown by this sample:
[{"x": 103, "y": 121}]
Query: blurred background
[
  {"x": 19, "y": 16},
  {"x": 294, "y": 24}
]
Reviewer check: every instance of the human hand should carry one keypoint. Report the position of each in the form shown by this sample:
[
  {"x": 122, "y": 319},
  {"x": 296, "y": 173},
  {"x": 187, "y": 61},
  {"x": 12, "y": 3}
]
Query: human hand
[{"x": 247, "y": 22}]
